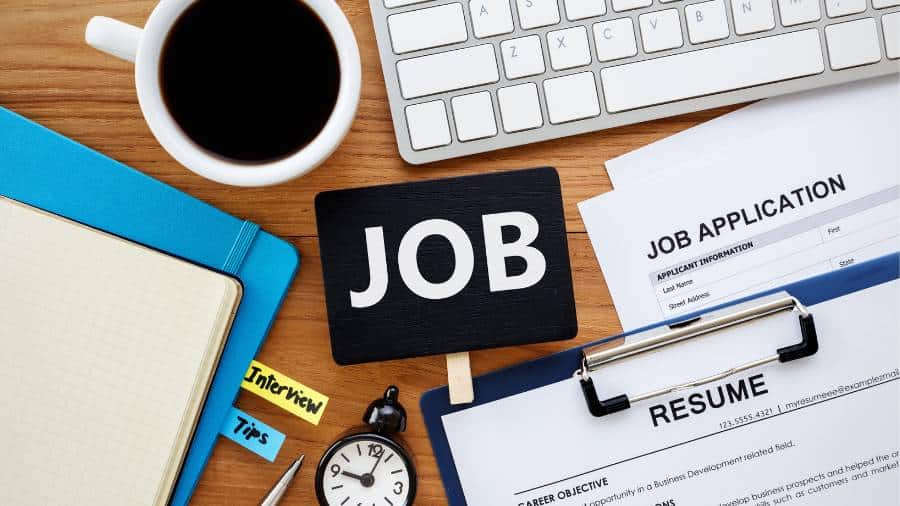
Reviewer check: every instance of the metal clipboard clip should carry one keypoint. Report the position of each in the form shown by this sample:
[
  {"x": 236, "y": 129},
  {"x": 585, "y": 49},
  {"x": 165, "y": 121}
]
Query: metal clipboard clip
[{"x": 597, "y": 356}]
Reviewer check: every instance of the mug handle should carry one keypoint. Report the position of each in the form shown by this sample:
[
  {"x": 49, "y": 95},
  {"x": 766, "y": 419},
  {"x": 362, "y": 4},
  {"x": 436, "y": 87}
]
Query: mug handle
[{"x": 113, "y": 37}]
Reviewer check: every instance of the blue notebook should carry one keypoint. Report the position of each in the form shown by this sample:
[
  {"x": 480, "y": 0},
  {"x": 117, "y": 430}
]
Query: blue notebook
[
  {"x": 559, "y": 367},
  {"x": 46, "y": 170}
]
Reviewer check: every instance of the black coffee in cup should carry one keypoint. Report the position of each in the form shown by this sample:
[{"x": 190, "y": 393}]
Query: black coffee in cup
[{"x": 250, "y": 80}]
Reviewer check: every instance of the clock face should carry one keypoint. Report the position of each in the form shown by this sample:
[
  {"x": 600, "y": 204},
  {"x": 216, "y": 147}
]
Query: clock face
[{"x": 366, "y": 470}]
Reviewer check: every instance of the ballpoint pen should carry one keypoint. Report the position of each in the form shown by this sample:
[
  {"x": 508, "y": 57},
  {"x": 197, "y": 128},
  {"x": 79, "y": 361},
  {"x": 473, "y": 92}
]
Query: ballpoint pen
[{"x": 274, "y": 496}]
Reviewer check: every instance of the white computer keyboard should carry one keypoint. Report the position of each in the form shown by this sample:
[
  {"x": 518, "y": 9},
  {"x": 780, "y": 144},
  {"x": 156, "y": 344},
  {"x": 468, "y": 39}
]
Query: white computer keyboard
[{"x": 478, "y": 75}]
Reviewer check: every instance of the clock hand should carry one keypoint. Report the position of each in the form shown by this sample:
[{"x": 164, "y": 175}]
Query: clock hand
[
  {"x": 366, "y": 480},
  {"x": 377, "y": 462},
  {"x": 354, "y": 476}
]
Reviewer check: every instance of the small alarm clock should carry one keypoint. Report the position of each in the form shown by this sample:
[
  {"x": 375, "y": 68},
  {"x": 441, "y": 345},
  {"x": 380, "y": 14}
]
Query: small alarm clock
[{"x": 371, "y": 467}]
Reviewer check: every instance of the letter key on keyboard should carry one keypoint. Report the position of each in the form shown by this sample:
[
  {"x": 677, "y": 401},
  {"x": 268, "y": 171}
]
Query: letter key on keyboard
[
  {"x": 615, "y": 39},
  {"x": 582, "y": 9},
  {"x": 490, "y": 17},
  {"x": 752, "y": 16},
  {"x": 707, "y": 21},
  {"x": 797, "y": 12},
  {"x": 660, "y": 30},
  {"x": 537, "y": 13},
  {"x": 522, "y": 57},
  {"x": 568, "y": 48}
]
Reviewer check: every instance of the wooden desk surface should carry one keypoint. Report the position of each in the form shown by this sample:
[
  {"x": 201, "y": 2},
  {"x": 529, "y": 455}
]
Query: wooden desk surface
[{"x": 50, "y": 75}]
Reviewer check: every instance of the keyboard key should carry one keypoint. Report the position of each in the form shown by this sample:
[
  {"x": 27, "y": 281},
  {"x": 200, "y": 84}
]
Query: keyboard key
[
  {"x": 427, "y": 28},
  {"x": 571, "y": 97},
  {"x": 474, "y": 116},
  {"x": 660, "y": 30},
  {"x": 522, "y": 57},
  {"x": 582, "y": 9},
  {"x": 881, "y": 4},
  {"x": 614, "y": 39},
  {"x": 537, "y": 13},
  {"x": 797, "y": 12},
  {"x": 852, "y": 44},
  {"x": 400, "y": 3},
  {"x": 427, "y": 124},
  {"x": 452, "y": 70},
  {"x": 627, "y": 5},
  {"x": 838, "y": 8},
  {"x": 568, "y": 48},
  {"x": 890, "y": 24},
  {"x": 490, "y": 17},
  {"x": 752, "y": 16},
  {"x": 712, "y": 70},
  {"x": 520, "y": 108},
  {"x": 707, "y": 21}
]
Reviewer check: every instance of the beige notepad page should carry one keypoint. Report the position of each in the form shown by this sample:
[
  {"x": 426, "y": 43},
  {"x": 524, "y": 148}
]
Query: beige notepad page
[{"x": 107, "y": 349}]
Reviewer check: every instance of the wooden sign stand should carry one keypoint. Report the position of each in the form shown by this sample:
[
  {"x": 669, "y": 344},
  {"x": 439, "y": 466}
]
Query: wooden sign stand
[
  {"x": 484, "y": 258},
  {"x": 459, "y": 378}
]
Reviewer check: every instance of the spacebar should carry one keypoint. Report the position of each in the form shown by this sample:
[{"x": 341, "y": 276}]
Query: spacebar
[{"x": 714, "y": 70}]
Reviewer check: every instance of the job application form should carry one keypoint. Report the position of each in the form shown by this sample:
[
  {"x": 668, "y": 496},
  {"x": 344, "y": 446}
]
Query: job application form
[
  {"x": 821, "y": 430},
  {"x": 786, "y": 206}
]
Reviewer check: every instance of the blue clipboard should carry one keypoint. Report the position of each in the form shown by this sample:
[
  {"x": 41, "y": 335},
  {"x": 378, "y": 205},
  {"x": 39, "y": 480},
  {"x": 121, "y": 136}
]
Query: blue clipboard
[{"x": 558, "y": 367}]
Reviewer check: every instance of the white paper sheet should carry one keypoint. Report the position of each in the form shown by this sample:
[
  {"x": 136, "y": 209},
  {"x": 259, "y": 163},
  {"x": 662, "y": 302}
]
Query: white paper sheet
[
  {"x": 824, "y": 432},
  {"x": 855, "y": 167},
  {"x": 837, "y": 106}
]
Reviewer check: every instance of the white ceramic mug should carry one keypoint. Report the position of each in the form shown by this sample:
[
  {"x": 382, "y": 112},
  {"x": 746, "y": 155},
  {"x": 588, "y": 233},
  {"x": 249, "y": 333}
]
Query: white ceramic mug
[{"x": 143, "y": 47}]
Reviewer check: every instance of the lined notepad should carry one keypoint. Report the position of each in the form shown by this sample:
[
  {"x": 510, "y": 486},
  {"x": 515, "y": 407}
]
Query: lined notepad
[{"x": 107, "y": 349}]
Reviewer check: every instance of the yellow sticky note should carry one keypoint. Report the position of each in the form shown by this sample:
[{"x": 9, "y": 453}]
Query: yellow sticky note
[{"x": 284, "y": 392}]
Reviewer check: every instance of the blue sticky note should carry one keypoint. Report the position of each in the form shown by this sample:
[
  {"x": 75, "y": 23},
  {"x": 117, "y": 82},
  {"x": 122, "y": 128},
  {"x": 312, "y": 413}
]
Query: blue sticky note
[{"x": 252, "y": 434}]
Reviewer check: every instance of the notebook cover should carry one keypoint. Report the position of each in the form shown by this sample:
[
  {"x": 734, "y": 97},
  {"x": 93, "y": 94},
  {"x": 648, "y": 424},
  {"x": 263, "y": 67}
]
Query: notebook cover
[{"x": 46, "y": 170}]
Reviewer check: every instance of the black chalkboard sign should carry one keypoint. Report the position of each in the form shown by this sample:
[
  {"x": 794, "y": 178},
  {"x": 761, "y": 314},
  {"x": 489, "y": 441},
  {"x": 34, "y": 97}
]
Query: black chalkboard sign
[{"x": 445, "y": 266}]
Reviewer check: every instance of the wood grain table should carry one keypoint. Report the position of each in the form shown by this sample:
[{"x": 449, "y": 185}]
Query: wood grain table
[{"x": 50, "y": 75}]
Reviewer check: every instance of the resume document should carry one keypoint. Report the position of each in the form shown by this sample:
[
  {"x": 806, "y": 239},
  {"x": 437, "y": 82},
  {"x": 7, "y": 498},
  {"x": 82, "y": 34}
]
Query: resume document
[{"x": 821, "y": 430}]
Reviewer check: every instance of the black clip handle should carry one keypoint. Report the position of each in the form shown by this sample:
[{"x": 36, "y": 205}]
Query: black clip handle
[
  {"x": 600, "y": 408},
  {"x": 808, "y": 345}
]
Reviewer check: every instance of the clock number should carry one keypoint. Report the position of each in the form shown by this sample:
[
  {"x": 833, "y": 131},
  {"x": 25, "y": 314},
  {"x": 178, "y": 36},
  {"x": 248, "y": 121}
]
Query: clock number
[
  {"x": 399, "y": 489},
  {"x": 335, "y": 470},
  {"x": 376, "y": 450}
]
